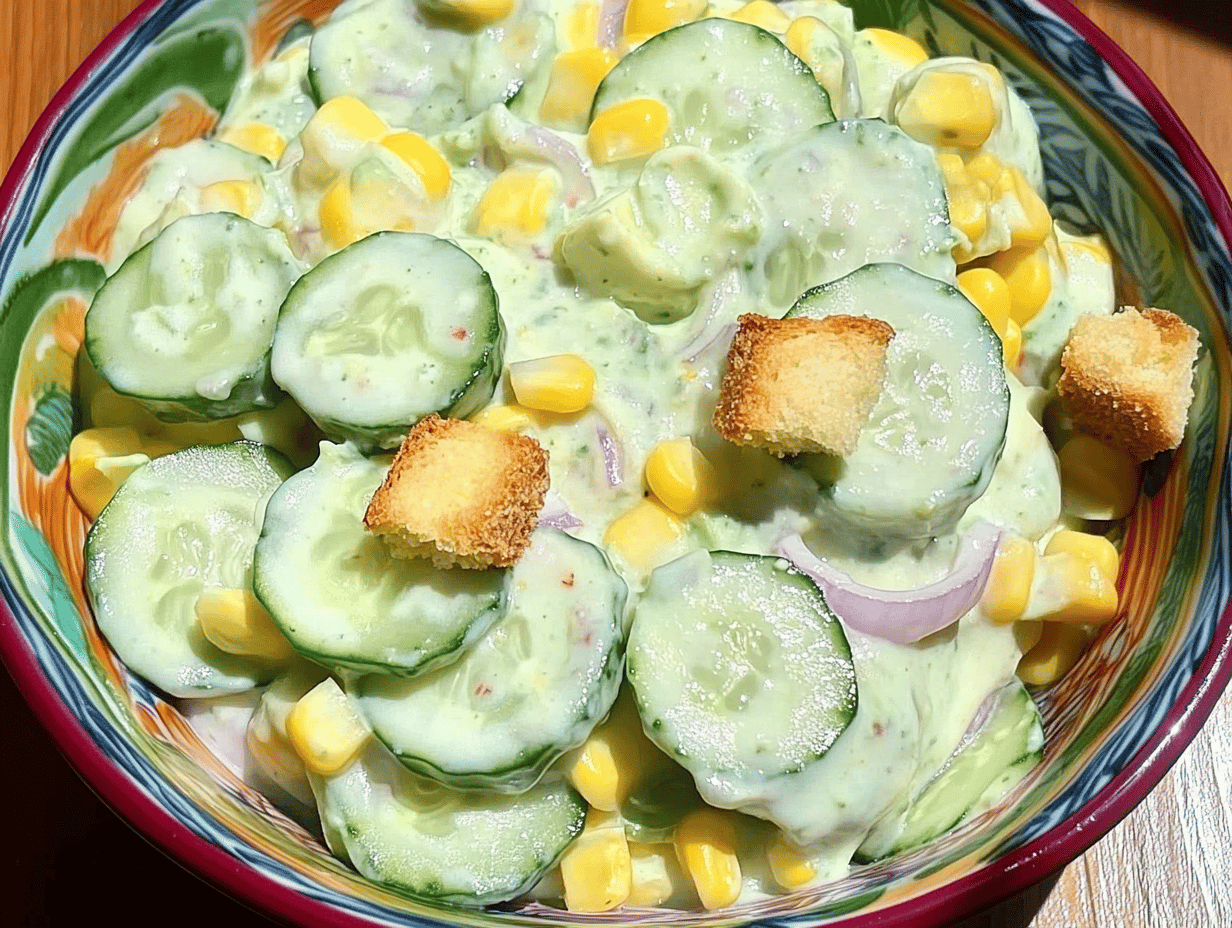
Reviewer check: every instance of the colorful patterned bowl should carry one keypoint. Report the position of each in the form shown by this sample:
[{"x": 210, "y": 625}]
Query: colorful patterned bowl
[{"x": 1116, "y": 160}]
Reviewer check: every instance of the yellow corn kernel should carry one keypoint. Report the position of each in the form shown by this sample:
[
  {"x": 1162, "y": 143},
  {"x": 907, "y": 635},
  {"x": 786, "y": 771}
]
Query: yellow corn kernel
[
  {"x": 987, "y": 167},
  {"x": 789, "y": 865},
  {"x": 898, "y": 46},
  {"x": 680, "y": 476},
  {"x": 1098, "y": 482},
  {"x": 231, "y": 196},
  {"x": 575, "y": 78},
  {"x": 1059, "y": 647},
  {"x": 608, "y": 766},
  {"x": 1029, "y": 275},
  {"x": 505, "y": 418},
  {"x": 582, "y": 26},
  {"x": 99, "y": 460},
  {"x": 428, "y": 163},
  {"x": 655, "y": 874},
  {"x": 1027, "y": 634},
  {"x": 516, "y": 202},
  {"x": 325, "y": 729},
  {"x": 706, "y": 845},
  {"x": 650, "y": 17},
  {"x": 257, "y": 138},
  {"x": 645, "y": 534},
  {"x": 1009, "y": 584},
  {"x": 948, "y": 109},
  {"x": 1078, "y": 590},
  {"x": 633, "y": 129},
  {"x": 990, "y": 293},
  {"x": 1011, "y": 344},
  {"x": 337, "y": 215},
  {"x": 597, "y": 869},
  {"x": 1095, "y": 548},
  {"x": 563, "y": 383},
  {"x": 333, "y": 139},
  {"x": 762, "y": 13},
  {"x": 236, "y": 622},
  {"x": 1035, "y": 225},
  {"x": 969, "y": 213},
  {"x": 351, "y": 118},
  {"x": 474, "y": 14}
]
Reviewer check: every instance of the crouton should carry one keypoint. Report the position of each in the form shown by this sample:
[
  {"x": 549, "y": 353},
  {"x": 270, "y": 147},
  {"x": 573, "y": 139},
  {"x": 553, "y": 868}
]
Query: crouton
[
  {"x": 802, "y": 384},
  {"x": 1127, "y": 379},
  {"x": 461, "y": 495}
]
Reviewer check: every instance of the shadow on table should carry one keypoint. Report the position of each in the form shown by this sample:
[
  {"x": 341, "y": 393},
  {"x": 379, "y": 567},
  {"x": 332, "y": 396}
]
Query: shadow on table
[
  {"x": 1015, "y": 912},
  {"x": 1204, "y": 18}
]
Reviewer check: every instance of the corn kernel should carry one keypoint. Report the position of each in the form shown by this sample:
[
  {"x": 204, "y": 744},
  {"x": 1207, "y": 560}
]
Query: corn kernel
[
  {"x": 609, "y": 764},
  {"x": 706, "y": 845},
  {"x": 516, "y": 203},
  {"x": 645, "y": 535},
  {"x": 562, "y": 383},
  {"x": 505, "y": 418},
  {"x": 655, "y": 873},
  {"x": 474, "y": 14},
  {"x": 1027, "y": 634},
  {"x": 986, "y": 167},
  {"x": 969, "y": 213},
  {"x": 789, "y": 865},
  {"x": 1074, "y": 589},
  {"x": 633, "y": 129},
  {"x": 1028, "y": 272},
  {"x": 1095, "y": 548},
  {"x": 948, "y": 109},
  {"x": 1009, "y": 584},
  {"x": 571, "y": 88},
  {"x": 1058, "y": 650},
  {"x": 337, "y": 215},
  {"x": 235, "y": 621},
  {"x": 762, "y": 13},
  {"x": 1036, "y": 222},
  {"x": 333, "y": 137},
  {"x": 231, "y": 196},
  {"x": 257, "y": 138},
  {"x": 596, "y": 868},
  {"x": 990, "y": 293},
  {"x": 1011, "y": 344},
  {"x": 325, "y": 729},
  {"x": 1098, "y": 482},
  {"x": 650, "y": 17},
  {"x": 897, "y": 46},
  {"x": 680, "y": 476},
  {"x": 582, "y": 26},
  {"x": 427, "y": 163},
  {"x": 99, "y": 461}
]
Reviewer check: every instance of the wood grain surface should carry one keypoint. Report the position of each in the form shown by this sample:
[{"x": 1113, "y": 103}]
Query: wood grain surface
[{"x": 68, "y": 860}]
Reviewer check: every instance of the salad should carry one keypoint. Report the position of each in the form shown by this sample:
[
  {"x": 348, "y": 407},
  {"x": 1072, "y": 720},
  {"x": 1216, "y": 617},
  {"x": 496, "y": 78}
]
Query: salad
[{"x": 624, "y": 455}]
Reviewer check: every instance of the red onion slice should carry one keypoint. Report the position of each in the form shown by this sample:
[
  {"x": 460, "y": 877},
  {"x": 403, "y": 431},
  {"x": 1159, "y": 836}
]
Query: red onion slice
[
  {"x": 903, "y": 616},
  {"x": 611, "y": 22},
  {"x": 556, "y": 514}
]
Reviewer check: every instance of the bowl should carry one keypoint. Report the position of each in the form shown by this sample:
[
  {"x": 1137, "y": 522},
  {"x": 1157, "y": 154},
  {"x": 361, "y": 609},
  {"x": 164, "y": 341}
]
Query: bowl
[{"x": 1117, "y": 161}]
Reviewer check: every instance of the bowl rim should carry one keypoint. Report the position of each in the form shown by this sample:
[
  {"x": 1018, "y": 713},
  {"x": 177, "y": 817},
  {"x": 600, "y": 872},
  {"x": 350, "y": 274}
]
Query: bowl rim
[{"x": 996, "y": 881}]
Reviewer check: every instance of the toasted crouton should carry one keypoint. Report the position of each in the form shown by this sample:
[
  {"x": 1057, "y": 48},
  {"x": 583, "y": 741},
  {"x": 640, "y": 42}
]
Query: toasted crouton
[
  {"x": 461, "y": 495},
  {"x": 1128, "y": 379},
  {"x": 802, "y": 384}
]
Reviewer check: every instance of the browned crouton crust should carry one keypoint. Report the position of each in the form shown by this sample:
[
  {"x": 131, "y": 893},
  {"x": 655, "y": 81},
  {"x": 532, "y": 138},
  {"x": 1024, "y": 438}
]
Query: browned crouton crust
[
  {"x": 1128, "y": 379},
  {"x": 461, "y": 495},
  {"x": 795, "y": 385}
]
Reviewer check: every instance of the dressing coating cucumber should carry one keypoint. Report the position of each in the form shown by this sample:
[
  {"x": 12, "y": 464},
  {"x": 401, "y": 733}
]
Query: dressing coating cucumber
[
  {"x": 177, "y": 525},
  {"x": 741, "y": 671},
  {"x": 386, "y": 331},
  {"x": 425, "y": 840},
  {"x": 338, "y": 594},
  {"x": 531, "y": 689},
  {"x": 186, "y": 323},
  {"x": 724, "y": 83},
  {"x": 937, "y": 430}
]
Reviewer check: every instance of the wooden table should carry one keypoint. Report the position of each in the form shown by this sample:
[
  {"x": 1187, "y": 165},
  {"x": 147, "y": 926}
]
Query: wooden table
[{"x": 68, "y": 859}]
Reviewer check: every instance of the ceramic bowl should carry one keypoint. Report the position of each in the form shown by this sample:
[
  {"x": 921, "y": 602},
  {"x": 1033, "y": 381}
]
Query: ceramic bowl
[{"x": 1117, "y": 161}]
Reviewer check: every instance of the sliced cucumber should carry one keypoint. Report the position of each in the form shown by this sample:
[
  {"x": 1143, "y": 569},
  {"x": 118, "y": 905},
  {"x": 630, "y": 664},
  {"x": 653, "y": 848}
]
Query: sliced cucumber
[
  {"x": 419, "y": 71},
  {"x": 386, "y": 331},
  {"x": 724, "y": 83},
  {"x": 987, "y": 765},
  {"x": 425, "y": 840},
  {"x": 531, "y": 689},
  {"x": 847, "y": 194},
  {"x": 741, "y": 671},
  {"x": 338, "y": 594},
  {"x": 936, "y": 433},
  {"x": 186, "y": 323},
  {"x": 180, "y": 523}
]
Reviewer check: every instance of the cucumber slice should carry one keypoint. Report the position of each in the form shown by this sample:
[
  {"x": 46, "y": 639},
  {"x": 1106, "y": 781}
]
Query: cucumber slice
[
  {"x": 741, "y": 671},
  {"x": 936, "y": 433},
  {"x": 338, "y": 594},
  {"x": 724, "y": 83},
  {"x": 386, "y": 331},
  {"x": 419, "y": 71},
  {"x": 180, "y": 523},
  {"x": 889, "y": 206},
  {"x": 425, "y": 840},
  {"x": 986, "y": 766},
  {"x": 534, "y": 687},
  {"x": 186, "y": 323}
]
